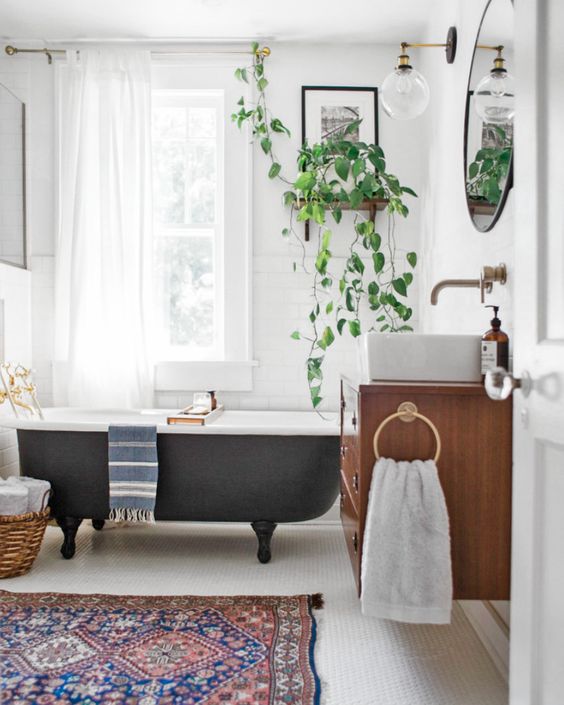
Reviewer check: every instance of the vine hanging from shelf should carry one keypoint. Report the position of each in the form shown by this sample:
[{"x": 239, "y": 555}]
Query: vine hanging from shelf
[{"x": 334, "y": 175}]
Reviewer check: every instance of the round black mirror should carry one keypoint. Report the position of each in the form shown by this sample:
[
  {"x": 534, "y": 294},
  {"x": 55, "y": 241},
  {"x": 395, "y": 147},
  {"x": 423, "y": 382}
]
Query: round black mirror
[{"x": 490, "y": 112}]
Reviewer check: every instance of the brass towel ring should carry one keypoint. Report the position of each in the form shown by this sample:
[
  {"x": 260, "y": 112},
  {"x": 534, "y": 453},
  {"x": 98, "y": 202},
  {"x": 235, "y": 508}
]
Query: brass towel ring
[{"x": 407, "y": 412}]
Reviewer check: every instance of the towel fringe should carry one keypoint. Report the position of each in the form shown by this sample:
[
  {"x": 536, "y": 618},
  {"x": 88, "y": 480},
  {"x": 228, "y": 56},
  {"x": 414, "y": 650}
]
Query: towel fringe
[{"x": 131, "y": 514}]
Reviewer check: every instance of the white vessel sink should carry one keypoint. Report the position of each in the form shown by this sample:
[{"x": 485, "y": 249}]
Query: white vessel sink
[{"x": 420, "y": 357}]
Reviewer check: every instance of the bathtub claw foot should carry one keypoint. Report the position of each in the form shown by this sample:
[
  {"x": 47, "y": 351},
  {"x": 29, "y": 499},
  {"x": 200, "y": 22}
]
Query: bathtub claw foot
[
  {"x": 264, "y": 531},
  {"x": 69, "y": 526},
  {"x": 98, "y": 524}
]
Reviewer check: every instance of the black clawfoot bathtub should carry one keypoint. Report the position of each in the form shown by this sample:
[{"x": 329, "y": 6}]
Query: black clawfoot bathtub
[{"x": 263, "y": 468}]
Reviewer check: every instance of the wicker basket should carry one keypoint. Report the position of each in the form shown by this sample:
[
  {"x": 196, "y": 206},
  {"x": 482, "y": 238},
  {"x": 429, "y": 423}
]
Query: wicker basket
[{"x": 20, "y": 540}]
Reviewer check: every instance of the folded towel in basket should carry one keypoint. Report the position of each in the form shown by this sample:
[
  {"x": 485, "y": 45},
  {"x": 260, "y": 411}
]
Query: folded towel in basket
[
  {"x": 406, "y": 567},
  {"x": 133, "y": 471},
  {"x": 14, "y": 497},
  {"x": 38, "y": 491}
]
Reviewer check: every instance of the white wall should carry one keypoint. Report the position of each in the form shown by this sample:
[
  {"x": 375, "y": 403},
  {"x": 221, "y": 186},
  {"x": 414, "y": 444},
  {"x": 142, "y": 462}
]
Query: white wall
[{"x": 15, "y": 292}]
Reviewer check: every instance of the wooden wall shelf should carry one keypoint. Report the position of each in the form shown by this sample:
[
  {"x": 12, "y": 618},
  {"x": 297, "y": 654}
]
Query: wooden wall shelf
[{"x": 369, "y": 204}]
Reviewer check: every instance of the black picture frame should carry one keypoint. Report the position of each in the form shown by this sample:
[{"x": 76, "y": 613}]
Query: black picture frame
[{"x": 365, "y": 89}]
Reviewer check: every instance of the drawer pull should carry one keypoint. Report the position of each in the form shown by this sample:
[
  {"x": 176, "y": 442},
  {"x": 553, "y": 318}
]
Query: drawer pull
[
  {"x": 354, "y": 421},
  {"x": 343, "y": 451},
  {"x": 355, "y": 482},
  {"x": 355, "y": 542}
]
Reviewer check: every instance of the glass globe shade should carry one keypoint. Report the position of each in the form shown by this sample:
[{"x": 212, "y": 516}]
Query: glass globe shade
[
  {"x": 494, "y": 97},
  {"x": 404, "y": 94}
]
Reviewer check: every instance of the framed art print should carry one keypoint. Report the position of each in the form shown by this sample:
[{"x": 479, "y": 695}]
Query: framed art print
[{"x": 327, "y": 110}]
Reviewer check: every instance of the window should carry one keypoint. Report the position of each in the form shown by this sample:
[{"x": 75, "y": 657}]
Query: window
[
  {"x": 188, "y": 171},
  {"x": 202, "y": 240}
]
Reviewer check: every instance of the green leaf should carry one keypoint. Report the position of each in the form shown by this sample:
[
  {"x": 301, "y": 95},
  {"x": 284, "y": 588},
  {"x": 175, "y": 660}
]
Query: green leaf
[
  {"x": 318, "y": 213},
  {"x": 238, "y": 76},
  {"x": 473, "y": 170},
  {"x": 379, "y": 261},
  {"x": 295, "y": 335},
  {"x": 342, "y": 285},
  {"x": 337, "y": 214},
  {"x": 400, "y": 286},
  {"x": 322, "y": 261},
  {"x": 373, "y": 289},
  {"x": 328, "y": 337},
  {"x": 254, "y": 47},
  {"x": 408, "y": 276},
  {"x": 340, "y": 325},
  {"x": 406, "y": 189},
  {"x": 358, "y": 167},
  {"x": 329, "y": 307},
  {"x": 289, "y": 198},
  {"x": 274, "y": 170},
  {"x": 262, "y": 83},
  {"x": 377, "y": 162},
  {"x": 412, "y": 258},
  {"x": 285, "y": 232},
  {"x": 406, "y": 329},
  {"x": 487, "y": 164},
  {"x": 349, "y": 300},
  {"x": 352, "y": 127},
  {"x": 342, "y": 168},
  {"x": 354, "y": 328},
  {"x": 266, "y": 145},
  {"x": 357, "y": 263},
  {"x": 326, "y": 239},
  {"x": 375, "y": 241},
  {"x": 355, "y": 198},
  {"x": 326, "y": 282},
  {"x": 305, "y": 181},
  {"x": 316, "y": 400},
  {"x": 244, "y": 75},
  {"x": 241, "y": 101}
]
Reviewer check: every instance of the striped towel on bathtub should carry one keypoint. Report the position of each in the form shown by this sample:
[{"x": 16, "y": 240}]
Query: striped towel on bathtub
[{"x": 133, "y": 470}]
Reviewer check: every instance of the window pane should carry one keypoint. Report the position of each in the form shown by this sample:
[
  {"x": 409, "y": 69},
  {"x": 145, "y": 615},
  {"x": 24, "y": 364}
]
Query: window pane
[
  {"x": 169, "y": 122},
  {"x": 184, "y": 275},
  {"x": 184, "y": 165},
  {"x": 169, "y": 181},
  {"x": 201, "y": 182},
  {"x": 201, "y": 123}
]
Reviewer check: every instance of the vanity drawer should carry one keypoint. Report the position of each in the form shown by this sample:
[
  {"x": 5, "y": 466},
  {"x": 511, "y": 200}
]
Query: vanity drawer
[
  {"x": 350, "y": 472},
  {"x": 349, "y": 417},
  {"x": 351, "y": 529}
]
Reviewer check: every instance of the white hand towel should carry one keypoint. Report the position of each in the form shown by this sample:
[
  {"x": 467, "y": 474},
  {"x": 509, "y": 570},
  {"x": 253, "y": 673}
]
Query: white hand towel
[
  {"x": 13, "y": 498},
  {"x": 406, "y": 566},
  {"x": 37, "y": 490}
]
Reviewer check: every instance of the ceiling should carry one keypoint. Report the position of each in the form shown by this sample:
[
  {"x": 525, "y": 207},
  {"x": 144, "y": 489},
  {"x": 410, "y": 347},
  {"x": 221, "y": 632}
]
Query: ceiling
[{"x": 379, "y": 21}]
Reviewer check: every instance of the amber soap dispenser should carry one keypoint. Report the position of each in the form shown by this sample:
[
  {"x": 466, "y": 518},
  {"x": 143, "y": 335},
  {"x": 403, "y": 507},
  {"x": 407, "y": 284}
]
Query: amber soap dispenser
[{"x": 495, "y": 345}]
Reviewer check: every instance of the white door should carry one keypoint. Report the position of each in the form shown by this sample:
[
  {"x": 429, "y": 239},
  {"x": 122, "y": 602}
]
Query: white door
[{"x": 537, "y": 607}]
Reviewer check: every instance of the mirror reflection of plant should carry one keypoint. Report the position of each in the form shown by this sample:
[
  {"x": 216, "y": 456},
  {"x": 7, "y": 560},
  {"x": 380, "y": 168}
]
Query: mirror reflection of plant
[
  {"x": 488, "y": 170},
  {"x": 334, "y": 174}
]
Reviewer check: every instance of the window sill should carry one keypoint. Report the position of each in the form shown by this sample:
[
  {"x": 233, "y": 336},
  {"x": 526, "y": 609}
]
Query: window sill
[{"x": 180, "y": 376}]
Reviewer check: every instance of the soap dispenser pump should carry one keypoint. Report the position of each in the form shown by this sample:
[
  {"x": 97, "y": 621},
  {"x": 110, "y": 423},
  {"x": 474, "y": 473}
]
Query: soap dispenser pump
[{"x": 495, "y": 345}]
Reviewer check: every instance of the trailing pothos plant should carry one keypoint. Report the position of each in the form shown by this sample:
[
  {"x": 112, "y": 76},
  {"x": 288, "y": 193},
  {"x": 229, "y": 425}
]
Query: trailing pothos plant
[
  {"x": 490, "y": 168},
  {"x": 335, "y": 174}
]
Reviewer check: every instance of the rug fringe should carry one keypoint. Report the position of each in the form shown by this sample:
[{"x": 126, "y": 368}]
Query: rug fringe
[{"x": 317, "y": 601}]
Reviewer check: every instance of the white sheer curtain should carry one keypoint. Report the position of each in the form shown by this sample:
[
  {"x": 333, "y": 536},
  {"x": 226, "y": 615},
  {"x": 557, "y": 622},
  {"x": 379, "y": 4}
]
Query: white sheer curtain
[{"x": 104, "y": 230}]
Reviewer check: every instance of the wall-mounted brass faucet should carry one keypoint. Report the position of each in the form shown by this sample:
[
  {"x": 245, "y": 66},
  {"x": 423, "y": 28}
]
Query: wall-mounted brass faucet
[{"x": 488, "y": 276}]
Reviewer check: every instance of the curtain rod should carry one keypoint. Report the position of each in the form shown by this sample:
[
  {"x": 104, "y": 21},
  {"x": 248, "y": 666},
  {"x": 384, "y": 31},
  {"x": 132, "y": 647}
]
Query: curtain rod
[{"x": 11, "y": 51}]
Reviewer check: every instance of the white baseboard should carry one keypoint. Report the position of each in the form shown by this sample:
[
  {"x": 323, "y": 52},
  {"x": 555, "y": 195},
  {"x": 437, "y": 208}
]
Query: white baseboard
[{"x": 491, "y": 631}]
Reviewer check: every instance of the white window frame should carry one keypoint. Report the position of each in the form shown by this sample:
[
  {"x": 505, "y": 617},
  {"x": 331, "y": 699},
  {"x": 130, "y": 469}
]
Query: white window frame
[{"x": 234, "y": 371}]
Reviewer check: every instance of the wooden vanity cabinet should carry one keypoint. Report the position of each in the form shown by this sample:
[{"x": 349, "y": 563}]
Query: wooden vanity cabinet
[{"x": 474, "y": 470}]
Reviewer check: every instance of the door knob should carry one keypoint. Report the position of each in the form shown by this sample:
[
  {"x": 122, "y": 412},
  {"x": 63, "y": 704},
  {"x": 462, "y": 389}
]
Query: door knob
[{"x": 500, "y": 383}]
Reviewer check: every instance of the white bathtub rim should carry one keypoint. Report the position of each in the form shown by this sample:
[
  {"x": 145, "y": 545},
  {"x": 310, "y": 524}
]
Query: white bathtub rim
[{"x": 231, "y": 422}]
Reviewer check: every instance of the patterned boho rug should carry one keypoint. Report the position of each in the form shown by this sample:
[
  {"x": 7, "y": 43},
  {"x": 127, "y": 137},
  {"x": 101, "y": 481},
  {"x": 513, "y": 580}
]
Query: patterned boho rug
[{"x": 176, "y": 650}]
